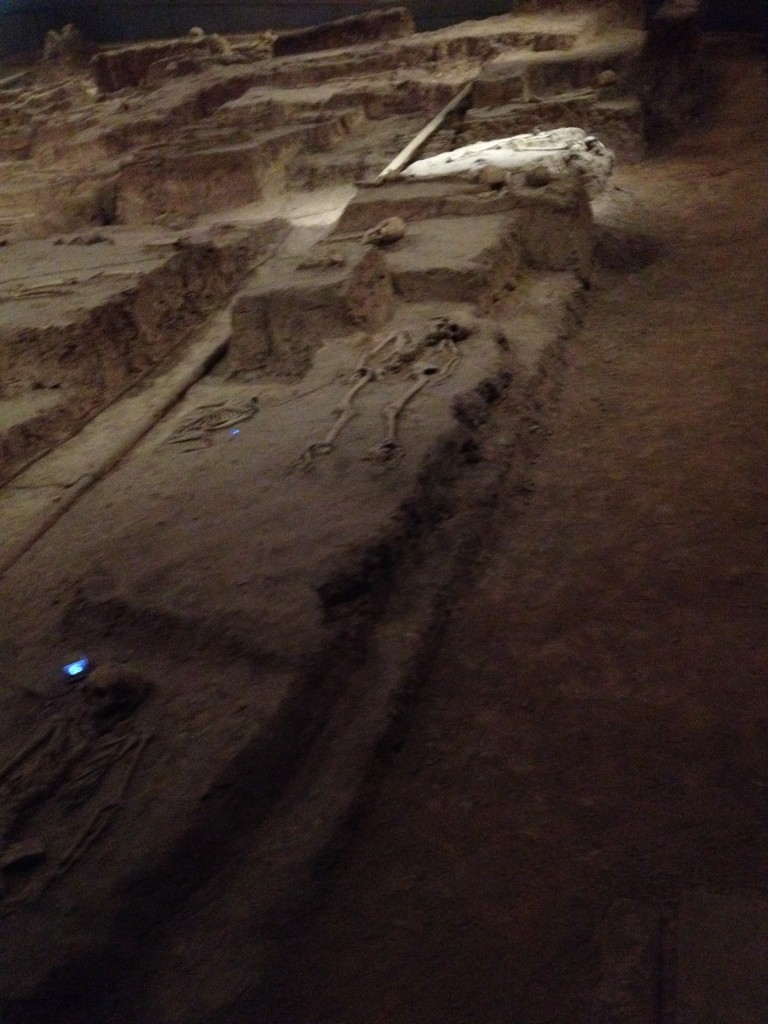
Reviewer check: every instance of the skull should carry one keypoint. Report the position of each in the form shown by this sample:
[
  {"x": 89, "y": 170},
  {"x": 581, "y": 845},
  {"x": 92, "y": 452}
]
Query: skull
[
  {"x": 445, "y": 329},
  {"x": 387, "y": 231},
  {"x": 492, "y": 177}
]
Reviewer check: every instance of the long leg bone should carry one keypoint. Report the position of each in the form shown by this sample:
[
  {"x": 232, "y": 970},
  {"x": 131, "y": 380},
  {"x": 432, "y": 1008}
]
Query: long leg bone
[
  {"x": 390, "y": 448},
  {"x": 345, "y": 412}
]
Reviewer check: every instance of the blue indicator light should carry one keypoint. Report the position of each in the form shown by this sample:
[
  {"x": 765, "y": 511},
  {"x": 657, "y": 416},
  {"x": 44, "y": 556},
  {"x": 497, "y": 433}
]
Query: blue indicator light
[
  {"x": 75, "y": 669},
  {"x": 235, "y": 432}
]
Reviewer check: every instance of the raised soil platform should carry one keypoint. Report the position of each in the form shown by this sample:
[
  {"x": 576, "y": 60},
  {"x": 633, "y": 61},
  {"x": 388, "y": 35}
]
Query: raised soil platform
[{"x": 86, "y": 316}]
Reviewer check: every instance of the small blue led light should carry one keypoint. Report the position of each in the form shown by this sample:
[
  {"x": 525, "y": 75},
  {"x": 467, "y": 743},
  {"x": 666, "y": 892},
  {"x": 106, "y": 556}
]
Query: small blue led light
[
  {"x": 75, "y": 669},
  {"x": 235, "y": 432}
]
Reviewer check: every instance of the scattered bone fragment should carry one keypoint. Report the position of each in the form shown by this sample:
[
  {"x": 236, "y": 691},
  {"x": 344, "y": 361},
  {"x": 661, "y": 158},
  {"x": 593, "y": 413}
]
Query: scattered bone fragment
[
  {"x": 321, "y": 261},
  {"x": 386, "y": 232}
]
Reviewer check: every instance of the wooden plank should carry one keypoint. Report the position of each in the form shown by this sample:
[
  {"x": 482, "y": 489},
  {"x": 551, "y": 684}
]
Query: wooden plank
[{"x": 407, "y": 155}]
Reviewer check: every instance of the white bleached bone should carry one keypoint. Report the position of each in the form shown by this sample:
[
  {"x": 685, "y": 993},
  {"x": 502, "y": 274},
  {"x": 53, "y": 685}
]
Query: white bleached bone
[{"x": 565, "y": 151}]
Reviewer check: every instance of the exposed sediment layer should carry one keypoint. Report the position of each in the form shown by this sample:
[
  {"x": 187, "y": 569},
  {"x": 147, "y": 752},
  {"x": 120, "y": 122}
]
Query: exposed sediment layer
[
  {"x": 394, "y": 23},
  {"x": 83, "y": 337},
  {"x": 385, "y": 420},
  {"x": 246, "y": 555}
]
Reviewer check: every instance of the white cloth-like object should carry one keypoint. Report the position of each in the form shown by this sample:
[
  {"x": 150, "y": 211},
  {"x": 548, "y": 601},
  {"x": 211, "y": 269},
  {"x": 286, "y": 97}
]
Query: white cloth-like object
[{"x": 564, "y": 151}]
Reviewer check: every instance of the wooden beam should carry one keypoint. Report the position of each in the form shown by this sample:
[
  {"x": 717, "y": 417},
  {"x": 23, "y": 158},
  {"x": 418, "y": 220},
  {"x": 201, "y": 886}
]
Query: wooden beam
[{"x": 411, "y": 151}]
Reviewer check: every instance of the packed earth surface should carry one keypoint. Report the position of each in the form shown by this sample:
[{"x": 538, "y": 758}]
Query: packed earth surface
[
  {"x": 413, "y": 583},
  {"x": 571, "y": 825}
]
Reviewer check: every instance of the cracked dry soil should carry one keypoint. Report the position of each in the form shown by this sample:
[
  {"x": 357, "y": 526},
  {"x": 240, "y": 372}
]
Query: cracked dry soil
[{"x": 593, "y": 725}]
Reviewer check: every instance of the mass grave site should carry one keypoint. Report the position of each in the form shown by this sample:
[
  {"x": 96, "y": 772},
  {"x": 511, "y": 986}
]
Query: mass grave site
[{"x": 252, "y": 342}]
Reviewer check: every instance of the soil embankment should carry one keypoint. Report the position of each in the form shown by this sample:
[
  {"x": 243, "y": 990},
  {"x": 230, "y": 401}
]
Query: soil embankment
[{"x": 589, "y": 746}]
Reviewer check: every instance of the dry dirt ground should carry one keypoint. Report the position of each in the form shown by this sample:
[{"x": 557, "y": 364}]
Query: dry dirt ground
[
  {"x": 577, "y": 776},
  {"x": 589, "y": 745},
  {"x": 236, "y": 579}
]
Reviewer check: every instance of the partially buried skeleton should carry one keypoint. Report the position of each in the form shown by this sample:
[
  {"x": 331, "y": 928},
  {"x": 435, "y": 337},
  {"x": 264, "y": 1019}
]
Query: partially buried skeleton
[{"x": 61, "y": 790}]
